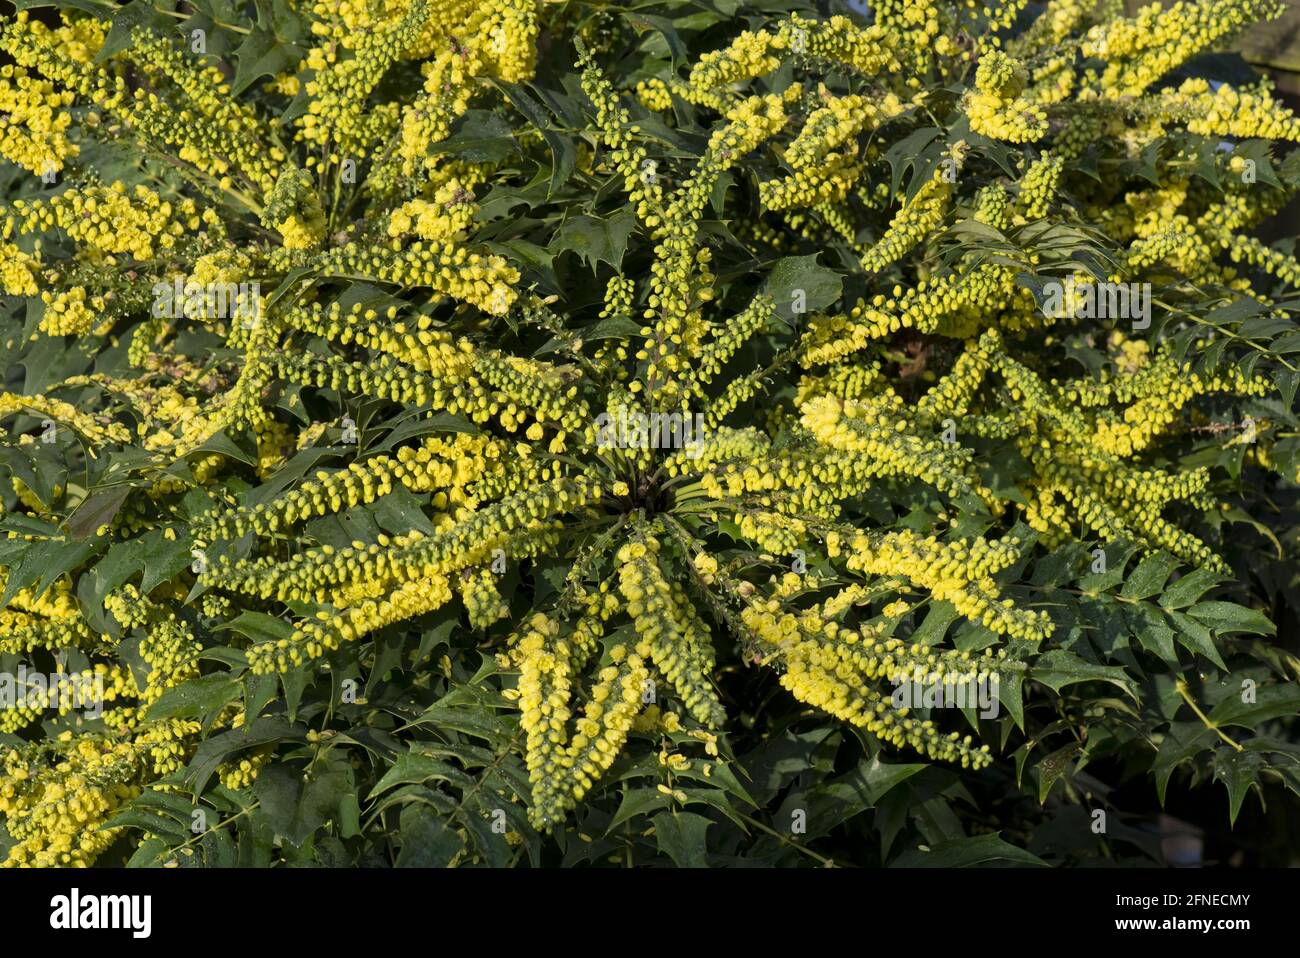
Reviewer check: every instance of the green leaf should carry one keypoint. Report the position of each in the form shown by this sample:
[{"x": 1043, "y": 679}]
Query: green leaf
[
  {"x": 905, "y": 153},
  {"x": 425, "y": 426},
  {"x": 799, "y": 281},
  {"x": 137, "y": 13},
  {"x": 276, "y": 44},
  {"x": 1117, "y": 554},
  {"x": 1270, "y": 702},
  {"x": 1181, "y": 743},
  {"x": 1234, "y": 312},
  {"x": 195, "y": 698},
  {"x": 616, "y": 327},
  {"x": 349, "y": 816},
  {"x": 1286, "y": 381},
  {"x": 641, "y": 22},
  {"x": 1153, "y": 631},
  {"x": 35, "y": 471},
  {"x": 682, "y": 837},
  {"x": 1058, "y": 668},
  {"x": 427, "y": 841},
  {"x": 564, "y": 152},
  {"x": 596, "y": 239},
  {"x": 1149, "y": 577},
  {"x": 153, "y": 556},
  {"x": 221, "y": 443},
  {"x": 148, "y": 821},
  {"x": 149, "y": 854},
  {"x": 97, "y": 7},
  {"x": 1230, "y": 617},
  {"x": 42, "y": 562},
  {"x": 479, "y": 137},
  {"x": 296, "y": 276},
  {"x": 1264, "y": 327},
  {"x": 228, "y": 11},
  {"x": 296, "y": 808},
  {"x": 1011, "y": 694},
  {"x": 935, "y": 625},
  {"x": 259, "y": 692},
  {"x": 1060, "y": 565},
  {"x": 97, "y": 509},
  {"x": 257, "y": 626},
  {"x": 413, "y": 768},
  {"x": 1238, "y": 771},
  {"x": 1258, "y": 151},
  {"x": 212, "y": 752},
  {"x": 779, "y": 758},
  {"x": 489, "y": 845},
  {"x": 1196, "y": 637},
  {"x": 294, "y": 682},
  {"x": 878, "y": 778},
  {"x": 1188, "y": 588},
  {"x": 966, "y": 852},
  {"x": 636, "y": 802},
  {"x": 1054, "y": 765},
  {"x": 263, "y": 54}
]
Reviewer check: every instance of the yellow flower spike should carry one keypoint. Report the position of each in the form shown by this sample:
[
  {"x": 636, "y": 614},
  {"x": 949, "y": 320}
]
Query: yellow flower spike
[
  {"x": 996, "y": 108},
  {"x": 1141, "y": 49}
]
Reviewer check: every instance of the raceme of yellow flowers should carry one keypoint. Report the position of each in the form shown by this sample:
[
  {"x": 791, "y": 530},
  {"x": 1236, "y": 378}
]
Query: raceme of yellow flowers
[{"x": 353, "y": 187}]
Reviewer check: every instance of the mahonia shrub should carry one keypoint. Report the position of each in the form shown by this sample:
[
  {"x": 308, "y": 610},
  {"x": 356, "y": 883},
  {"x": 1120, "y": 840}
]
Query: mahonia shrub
[{"x": 494, "y": 431}]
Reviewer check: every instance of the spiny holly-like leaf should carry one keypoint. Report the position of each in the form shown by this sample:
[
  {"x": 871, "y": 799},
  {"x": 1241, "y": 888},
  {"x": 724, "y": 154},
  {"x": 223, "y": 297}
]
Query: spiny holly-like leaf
[
  {"x": 965, "y": 853},
  {"x": 799, "y": 286},
  {"x": 596, "y": 239}
]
